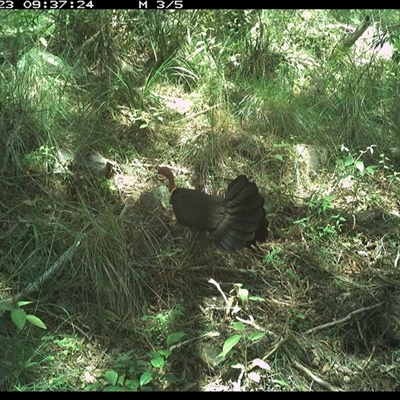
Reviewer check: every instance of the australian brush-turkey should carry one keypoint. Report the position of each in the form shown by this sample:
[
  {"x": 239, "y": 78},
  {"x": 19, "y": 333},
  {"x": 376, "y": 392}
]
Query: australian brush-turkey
[{"x": 233, "y": 222}]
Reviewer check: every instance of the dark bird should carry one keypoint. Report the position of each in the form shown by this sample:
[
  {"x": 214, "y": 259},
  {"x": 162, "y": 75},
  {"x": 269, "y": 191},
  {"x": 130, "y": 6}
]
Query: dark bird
[{"x": 233, "y": 222}]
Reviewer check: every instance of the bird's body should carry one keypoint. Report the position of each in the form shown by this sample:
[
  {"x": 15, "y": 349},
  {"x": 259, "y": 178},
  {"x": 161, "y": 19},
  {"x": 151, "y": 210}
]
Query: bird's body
[{"x": 233, "y": 222}]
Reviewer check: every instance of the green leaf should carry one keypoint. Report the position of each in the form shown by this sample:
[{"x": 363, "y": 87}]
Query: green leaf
[
  {"x": 279, "y": 157},
  {"x": 96, "y": 385},
  {"x": 157, "y": 362},
  {"x": 175, "y": 337},
  {"x": 371, "y": 169},
  {"x": 36, "y": 321},
  {"x": 243, "y": 294},
  {"x": 239, "y": 326},
  {"x": 111, "y": 376},
  {"x": 6, "y": 305},
  {"x": 280, "y": 382},
  {"x": 256, "y": 336},
  {"x": 165, "y": 353},
  {"x": 169, "y": 378},
  {"x": 145, "y": 378},
  {"x": 132, "y": 384},
  {"x": 359, "y": 165},
  {"x": 113, "y": 389},
  {"x": 256, "y": 298},
  {"x": 19, "y": 317},
  {"x": 229, "y": 344},
  {"x": 349, "y": 161},
  {"x": 24, "y": 303}
]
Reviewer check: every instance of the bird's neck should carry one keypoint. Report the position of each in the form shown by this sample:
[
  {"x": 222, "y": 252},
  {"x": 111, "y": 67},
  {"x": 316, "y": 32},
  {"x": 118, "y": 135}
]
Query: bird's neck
[
  {"x": 171, "y": 183},
  {"x": 171, "y": 193},
  {"x": 171, "y": 186}
]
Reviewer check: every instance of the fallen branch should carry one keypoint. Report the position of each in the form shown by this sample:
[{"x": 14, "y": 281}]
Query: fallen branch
[
  {"x": 321, "y": 382},
  {"x": 276, "y": 346},
  {"x": 36, "y": 285},
  {"x": 345, "y": 319},
  {"x": 352, "y": 37}
]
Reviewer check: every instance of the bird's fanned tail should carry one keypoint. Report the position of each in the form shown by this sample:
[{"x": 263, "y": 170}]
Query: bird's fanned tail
[{"x": 244, "y": 220}]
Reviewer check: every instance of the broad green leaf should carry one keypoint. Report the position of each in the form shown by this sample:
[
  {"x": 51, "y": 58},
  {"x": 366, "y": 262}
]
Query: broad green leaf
[
  {"x": 145, "y": 378},
  {"x": 165, "y": 353},
  {"x": 279, "y": 157},
  {"x": 113, "y": 389},
  {"x": 6, "y": 305},
  {"x": 349, "y": 161},
  {"x": 132, "y": 384},
  {"x": 239, "y": 326},
  {"x": 36, "y": 321},
  {"x": 371, "y": 169},
  {"x": 175, "y": 337},
  {"x": 256, "y": 336},
  {"x": 157, "y": 362},
  {"x": 153, "y": 354},
  {"x": 169, "y": 378},
  {"x": 111, "y": 376},
  {"x": 19, "y": 317},
  {"x": 96, "y": 385},
  {"x": 359, "y": 165},
  {"x": 229, "y": 344}
]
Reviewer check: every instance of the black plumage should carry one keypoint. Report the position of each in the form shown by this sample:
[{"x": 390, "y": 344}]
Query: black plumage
[{"x": 233, "y": 222}]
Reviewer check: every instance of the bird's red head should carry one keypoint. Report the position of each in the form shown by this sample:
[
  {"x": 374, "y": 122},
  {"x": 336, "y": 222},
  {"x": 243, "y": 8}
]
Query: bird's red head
[{"x": 165, "y": 171}]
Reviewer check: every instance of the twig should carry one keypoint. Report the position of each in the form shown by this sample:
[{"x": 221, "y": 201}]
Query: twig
[
  {"x": 276, "y": 347},
  {"x": 225, "y": 269},
  {"x": 238, "y": 384},
  {"x": 227, "y": 302},
  {"x": 35, "y": 285},
  {"x": 124, "y": 210},
  {"x": 250, "y": 322},
  {"x": 345, "y": 319},
  {"x": 321, "y": 382},
  {"x": 396, "y": 261},
  {"x": 206, "y": 335},
  {"x": 198, "y": 113}
]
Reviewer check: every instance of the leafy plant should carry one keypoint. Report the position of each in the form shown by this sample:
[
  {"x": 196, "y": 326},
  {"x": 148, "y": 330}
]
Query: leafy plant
[
  {"x": 354, "y": 165},
  {"x": 162, "y": 323},
  {"x": 273, "y": 255},
  {"x": 132, "y": 374},
  {"x": 326, "y": 224},
  {"x": 242, "y": 335},
  {"x": 19, "y": 316}
]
